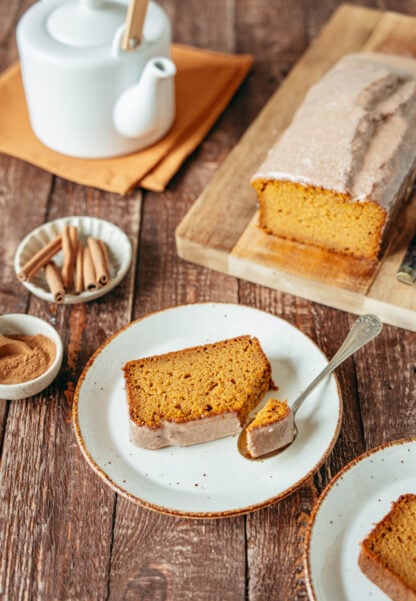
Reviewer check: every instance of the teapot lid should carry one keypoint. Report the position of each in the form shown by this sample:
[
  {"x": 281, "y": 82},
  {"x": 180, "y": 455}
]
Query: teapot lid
[{"x": 86, "y": 23}]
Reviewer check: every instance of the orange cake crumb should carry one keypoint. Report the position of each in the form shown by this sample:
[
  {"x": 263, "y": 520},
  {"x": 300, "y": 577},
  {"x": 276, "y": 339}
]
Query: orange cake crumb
[{"x": 320, "y": 217}]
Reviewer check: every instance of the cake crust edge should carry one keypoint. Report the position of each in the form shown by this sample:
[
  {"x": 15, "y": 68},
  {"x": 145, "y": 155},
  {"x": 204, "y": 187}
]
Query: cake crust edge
[{"x": 383, "y": 577}]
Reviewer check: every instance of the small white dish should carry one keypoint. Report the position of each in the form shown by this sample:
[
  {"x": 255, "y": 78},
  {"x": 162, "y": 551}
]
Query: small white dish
[
  {"x": 210, "y": 479},
  {"x": 118, "y": 246},
  {"x": 28, "y": 325},
  {"x": 359, "y": 496}
]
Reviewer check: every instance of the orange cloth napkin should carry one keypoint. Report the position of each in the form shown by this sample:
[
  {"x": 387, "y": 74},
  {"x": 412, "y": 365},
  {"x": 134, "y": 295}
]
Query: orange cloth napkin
[{"x": 205, "y": 83}]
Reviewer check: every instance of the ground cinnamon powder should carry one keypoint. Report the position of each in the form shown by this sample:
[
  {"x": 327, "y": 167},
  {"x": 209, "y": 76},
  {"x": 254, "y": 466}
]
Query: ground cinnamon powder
[{"x": 22, "y": 364}]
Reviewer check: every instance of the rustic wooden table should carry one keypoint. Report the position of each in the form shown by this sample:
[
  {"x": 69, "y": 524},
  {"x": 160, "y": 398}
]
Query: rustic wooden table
[{"x": 64, "y": 534}]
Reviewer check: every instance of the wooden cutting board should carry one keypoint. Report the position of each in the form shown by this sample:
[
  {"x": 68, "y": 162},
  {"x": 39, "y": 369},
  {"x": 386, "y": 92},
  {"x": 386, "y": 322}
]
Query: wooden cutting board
[{"x": 221, "y": 232}]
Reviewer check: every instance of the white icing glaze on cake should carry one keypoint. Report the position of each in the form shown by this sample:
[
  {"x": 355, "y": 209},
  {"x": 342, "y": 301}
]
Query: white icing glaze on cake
[
  {"x": 355, "y": 132},
  {"x": 185, "y": 434}
]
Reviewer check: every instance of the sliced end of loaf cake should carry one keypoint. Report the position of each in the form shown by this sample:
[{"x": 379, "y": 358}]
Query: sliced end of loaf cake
[{"x": 323, "y": 218}]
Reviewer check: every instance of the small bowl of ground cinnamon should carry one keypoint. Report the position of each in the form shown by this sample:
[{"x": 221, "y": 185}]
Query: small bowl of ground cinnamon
[{"x": 31, "y": 355}]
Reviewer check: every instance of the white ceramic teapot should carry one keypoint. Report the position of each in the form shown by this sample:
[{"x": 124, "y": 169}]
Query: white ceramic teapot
[{"x": 86, "y": 96}]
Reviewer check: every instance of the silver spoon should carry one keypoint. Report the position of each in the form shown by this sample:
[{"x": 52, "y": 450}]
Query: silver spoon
[{"x": 364, "y": 329}]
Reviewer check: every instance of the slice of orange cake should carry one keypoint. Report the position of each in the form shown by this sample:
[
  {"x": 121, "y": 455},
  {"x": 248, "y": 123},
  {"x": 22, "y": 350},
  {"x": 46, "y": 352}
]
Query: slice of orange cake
[
  {"x": 196, "y": 394},
  {"x": 272, "y": 428},
  {"x": 388, "y": 554}
]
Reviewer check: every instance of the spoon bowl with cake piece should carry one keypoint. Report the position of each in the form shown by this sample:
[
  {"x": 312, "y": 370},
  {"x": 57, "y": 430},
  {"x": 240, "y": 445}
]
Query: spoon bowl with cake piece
[{"x": 273, "y": 429}]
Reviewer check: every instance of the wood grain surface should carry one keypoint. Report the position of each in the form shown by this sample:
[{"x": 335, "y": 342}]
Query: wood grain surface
[{"x": 64, "y": 535}]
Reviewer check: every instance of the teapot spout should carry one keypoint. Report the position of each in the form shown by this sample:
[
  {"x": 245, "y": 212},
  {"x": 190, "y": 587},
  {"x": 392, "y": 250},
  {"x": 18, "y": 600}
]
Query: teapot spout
[{"x": 147, "y": 109}]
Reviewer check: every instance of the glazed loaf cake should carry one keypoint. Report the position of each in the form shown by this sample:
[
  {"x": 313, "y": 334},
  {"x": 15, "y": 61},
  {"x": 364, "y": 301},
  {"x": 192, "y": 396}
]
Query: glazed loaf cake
[
  {"x": 196, "y": 394},
  {"x": 388, "y": 554},
  {"x": 338, "y": 174}
]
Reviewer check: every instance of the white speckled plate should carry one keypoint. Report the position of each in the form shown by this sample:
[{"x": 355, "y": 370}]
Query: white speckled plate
[
  {"x": 210, "y": 479},
  {"x": 358, "y": 497},
  {"x": 118, "y": 246}
]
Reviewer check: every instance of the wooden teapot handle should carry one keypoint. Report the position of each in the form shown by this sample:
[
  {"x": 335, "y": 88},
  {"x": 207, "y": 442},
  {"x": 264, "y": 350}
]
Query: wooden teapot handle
[{"x": 133, "y": 30}]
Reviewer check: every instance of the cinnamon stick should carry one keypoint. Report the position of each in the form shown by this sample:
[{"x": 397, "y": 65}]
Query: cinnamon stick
[
  {"x": 79, "y": 272},
  {"x": 103, "y": 247},
  {"x": 73, "y": 235},
  {"x": 39, "y": 260},
  {"x": 99, "y": 261},
  {"x": 54, "y": 280},
  {"x": 69, "y": 251},
  {"x": 88, "y": 270}
]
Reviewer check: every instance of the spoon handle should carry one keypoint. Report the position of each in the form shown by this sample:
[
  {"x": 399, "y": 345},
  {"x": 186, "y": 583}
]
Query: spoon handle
[{"x": 364, "y": 329}]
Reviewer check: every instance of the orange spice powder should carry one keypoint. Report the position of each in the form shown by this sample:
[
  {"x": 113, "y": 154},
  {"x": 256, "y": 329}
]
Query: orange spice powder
[{"x": 23, "y": 362}]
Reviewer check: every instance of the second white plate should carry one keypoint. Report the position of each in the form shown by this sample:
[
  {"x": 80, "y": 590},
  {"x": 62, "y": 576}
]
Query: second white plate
[
  {"x": 358, "y": 497},
  {"x": 210, "y": 479}
]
